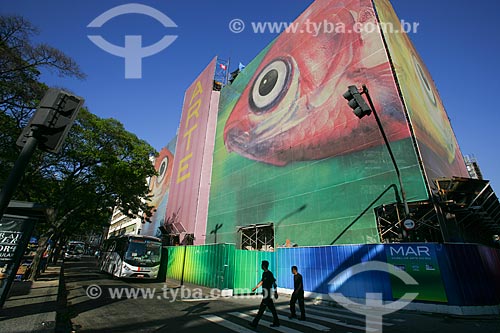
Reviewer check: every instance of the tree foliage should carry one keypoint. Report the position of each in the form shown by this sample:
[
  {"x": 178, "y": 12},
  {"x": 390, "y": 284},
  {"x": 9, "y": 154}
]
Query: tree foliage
[
  {"x": 20, "y": 88},
  {"x": 101, "y": 166}
]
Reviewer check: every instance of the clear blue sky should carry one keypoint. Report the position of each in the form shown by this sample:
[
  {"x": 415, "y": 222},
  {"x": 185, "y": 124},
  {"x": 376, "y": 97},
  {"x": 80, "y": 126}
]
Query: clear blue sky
[{"x": 459, "y": 42}]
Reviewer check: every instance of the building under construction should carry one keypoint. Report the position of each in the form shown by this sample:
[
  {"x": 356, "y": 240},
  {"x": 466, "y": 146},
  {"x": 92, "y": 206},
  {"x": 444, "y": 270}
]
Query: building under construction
[{"x": 276, "y": 165}]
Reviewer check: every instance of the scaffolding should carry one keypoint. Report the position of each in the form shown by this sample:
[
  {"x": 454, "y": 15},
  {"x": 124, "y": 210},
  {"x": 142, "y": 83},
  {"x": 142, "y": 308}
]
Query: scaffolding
[
  {"x": 473, "y": 167},
  {"x": 390, "y": 223},
  {"x": 258, "y": 237},
  {"x": 461, "y": 210},
  {"x": 221, "y": 75},
  {"x": 471, "y": 208}
]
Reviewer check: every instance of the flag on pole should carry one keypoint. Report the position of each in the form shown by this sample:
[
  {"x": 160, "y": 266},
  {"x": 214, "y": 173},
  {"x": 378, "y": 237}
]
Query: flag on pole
[{"x": 224, "y": 67}]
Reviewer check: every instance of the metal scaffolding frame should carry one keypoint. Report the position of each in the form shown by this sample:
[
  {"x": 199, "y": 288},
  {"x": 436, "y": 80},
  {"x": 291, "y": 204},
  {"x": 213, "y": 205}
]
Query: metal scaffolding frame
[
  {"x": 257, "y": 237},
  {"x": 462, "y": 210},
  {"x": 423, "y": 213},
  {"x": 474, "y": 206}
]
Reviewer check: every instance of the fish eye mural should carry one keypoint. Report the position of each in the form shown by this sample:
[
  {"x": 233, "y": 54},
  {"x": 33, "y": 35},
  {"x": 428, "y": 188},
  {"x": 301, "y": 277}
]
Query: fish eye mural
[
  {"x": 290, "y": 152},
  {"x": 158, "y": 188},
  {"x": 293, "y": 109},
  {"x": 436, "y": 141}
]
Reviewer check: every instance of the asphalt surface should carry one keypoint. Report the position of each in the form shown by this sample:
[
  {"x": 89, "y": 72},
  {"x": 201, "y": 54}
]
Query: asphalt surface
[{"x": 94, "y": 304}]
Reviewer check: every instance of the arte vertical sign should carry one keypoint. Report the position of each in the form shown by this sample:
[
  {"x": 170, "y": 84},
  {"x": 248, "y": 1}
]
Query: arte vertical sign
[
  {"x": 15, "y": 233},
  {"x": 190, "y": 164},
  {"x": 190, "y": 125}
]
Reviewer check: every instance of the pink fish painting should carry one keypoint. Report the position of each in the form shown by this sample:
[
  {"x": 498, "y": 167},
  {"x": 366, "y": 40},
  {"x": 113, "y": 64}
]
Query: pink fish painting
[{"x": 292, "y": 108}]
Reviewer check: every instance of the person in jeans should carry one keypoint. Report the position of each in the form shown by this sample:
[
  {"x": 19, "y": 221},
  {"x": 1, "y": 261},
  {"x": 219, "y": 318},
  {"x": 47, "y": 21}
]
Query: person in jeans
[
  {"x": 298, "y": 294},
  {"x": 267, "y": 282}
]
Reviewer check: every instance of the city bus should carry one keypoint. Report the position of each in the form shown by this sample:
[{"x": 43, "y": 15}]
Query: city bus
[
  {"x": 74, "y": 250},
  {"x": 131, "y": 256}
]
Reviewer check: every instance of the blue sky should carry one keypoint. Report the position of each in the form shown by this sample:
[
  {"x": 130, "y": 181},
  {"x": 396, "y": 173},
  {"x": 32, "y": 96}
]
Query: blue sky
[{"x": 458, "y": 41}]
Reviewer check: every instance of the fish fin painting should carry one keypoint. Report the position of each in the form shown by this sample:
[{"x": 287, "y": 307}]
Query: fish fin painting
[{"x": 434, "y": 135}]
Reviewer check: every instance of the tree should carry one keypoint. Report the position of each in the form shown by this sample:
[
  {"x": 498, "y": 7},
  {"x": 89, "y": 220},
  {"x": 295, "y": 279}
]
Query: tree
[
  {"x": 101, "y": 165},
  {"x": 20, "y": 88}
]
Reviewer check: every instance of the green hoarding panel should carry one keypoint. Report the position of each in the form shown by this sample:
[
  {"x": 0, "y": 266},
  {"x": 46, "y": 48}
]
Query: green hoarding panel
[
  {"x": 248, "y": 271},
  {"x": 205, "y": 265},
  {"x": 175, "y": 258}
]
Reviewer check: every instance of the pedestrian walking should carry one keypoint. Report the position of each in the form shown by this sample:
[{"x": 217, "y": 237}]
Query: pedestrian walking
[
  {"x": 267, "y": 282},
  {"x": 297, "y": 295}
]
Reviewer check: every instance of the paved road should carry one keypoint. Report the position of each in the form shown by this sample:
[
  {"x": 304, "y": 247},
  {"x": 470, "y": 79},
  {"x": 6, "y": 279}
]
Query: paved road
[{"x": 154, "y": 308}]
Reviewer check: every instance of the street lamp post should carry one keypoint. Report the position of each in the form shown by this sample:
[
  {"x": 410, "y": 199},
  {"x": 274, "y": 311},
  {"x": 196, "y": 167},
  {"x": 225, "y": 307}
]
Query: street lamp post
[{"x": 361, "y": 109}]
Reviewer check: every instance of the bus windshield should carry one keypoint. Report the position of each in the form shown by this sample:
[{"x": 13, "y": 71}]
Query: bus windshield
[
  {"x": 143, "y": 252},
  {"x": 76, "y": 248}
]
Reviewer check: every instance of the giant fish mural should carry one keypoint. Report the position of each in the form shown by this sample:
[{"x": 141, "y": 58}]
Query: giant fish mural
[
  {"x": 289, "y": 151},
  {"x": 293, "y": 109}
]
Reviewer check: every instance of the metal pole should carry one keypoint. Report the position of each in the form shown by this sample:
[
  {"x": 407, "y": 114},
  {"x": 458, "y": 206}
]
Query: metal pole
[
  {"x": 364, "y": 211},
  {"x": 183, "y": 265},
  {"x": 403, "y": 193},
  {"x": 227, "y": 71},
  {"x": 18, "y": 170}
]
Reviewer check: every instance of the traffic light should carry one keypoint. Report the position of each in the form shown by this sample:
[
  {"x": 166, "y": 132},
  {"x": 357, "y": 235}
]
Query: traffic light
[
  {"x": 53, "y": 117},
  {"x": 357, "y": 102}
]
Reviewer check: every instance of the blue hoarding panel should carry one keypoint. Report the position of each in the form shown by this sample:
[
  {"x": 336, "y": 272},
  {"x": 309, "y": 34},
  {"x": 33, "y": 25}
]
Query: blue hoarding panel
[
  {"x": 320, "y": 265},
  {"x": 471, "y": 274}
]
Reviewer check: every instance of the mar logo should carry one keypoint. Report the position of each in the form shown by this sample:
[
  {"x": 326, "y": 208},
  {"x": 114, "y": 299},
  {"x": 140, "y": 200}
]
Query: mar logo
[{"x": 410, "y": 251}]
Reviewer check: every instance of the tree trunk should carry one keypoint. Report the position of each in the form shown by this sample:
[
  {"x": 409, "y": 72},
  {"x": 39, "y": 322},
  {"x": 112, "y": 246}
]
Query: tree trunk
[
  {"x": 42, "y": 245},
  {"x": 53, "y": 253},
  {"x": 59, "y": 251}
]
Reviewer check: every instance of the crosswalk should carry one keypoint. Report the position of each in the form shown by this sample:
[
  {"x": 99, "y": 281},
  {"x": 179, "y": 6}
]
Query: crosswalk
[{"x": 320, "y": 318}]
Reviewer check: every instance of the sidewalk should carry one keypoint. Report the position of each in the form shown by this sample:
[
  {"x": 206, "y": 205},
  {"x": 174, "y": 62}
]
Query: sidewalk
[
  {"x": 174, "y": 284},
  {"x": 32, "y": 306}
]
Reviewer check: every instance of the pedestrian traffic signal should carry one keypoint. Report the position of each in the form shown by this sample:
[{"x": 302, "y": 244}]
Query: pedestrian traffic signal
[
  {"x": 53, "y": 118},
  {"x": 357, "y": 102}
]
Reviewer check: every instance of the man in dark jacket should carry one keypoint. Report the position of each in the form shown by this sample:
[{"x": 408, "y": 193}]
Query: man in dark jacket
[
  {"x": 298, "y": 294},
  {"x": 267, "y": 282}
]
